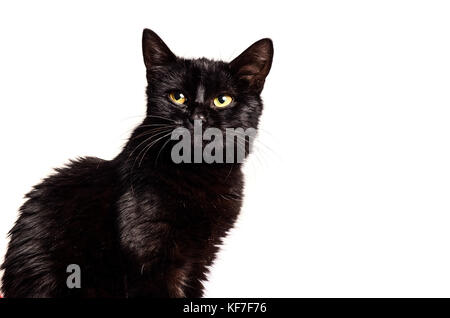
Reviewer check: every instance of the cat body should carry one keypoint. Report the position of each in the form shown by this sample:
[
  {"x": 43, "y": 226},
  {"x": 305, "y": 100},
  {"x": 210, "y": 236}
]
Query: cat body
[{"x": 141, "y": 225}]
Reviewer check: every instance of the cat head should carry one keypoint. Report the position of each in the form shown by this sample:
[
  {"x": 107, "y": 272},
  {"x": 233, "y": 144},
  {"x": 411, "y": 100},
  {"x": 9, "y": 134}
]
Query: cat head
[
  {"x": 184, "y": 93},
  {"x": 220, "y": 94}
]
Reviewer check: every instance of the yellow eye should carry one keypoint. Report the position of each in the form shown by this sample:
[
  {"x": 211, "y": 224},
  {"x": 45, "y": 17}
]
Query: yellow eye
[
  {"x": 177, "y": 97},
  {"x": 222, "y": 101}
]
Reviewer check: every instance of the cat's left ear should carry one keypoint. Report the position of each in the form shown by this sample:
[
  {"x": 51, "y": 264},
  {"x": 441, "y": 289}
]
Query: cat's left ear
[
  {"x": 253, "y": 65},
  {"x": 156, "y": 52}
]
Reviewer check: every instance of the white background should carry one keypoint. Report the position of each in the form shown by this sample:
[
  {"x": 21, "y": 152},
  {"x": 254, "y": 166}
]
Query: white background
[{"x": 350, "y": 194}]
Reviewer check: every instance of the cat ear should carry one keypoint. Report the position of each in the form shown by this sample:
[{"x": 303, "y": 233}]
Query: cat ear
[
  {"x": 155, "y": 50},
  {"x": 253, "y": 65}
]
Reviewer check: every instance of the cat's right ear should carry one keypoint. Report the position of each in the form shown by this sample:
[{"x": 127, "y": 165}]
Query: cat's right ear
[
  {"x": 156, "y": 52},
  {"x": 253, "y": 65}
]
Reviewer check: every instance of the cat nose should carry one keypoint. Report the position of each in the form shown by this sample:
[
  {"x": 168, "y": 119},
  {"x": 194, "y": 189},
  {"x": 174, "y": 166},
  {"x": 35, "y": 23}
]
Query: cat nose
[{"x": 198, "y": 116}]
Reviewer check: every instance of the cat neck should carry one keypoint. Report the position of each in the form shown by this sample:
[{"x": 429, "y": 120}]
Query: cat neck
[{"x": 224, "y": 177}]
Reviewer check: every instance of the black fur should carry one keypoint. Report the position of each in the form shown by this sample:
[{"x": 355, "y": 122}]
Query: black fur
[{"x": 141, "y": 225}]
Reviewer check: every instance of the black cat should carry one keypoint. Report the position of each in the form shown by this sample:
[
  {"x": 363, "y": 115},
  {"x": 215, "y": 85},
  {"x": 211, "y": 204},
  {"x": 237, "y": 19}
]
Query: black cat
[{"x": 140, "y": 224}]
